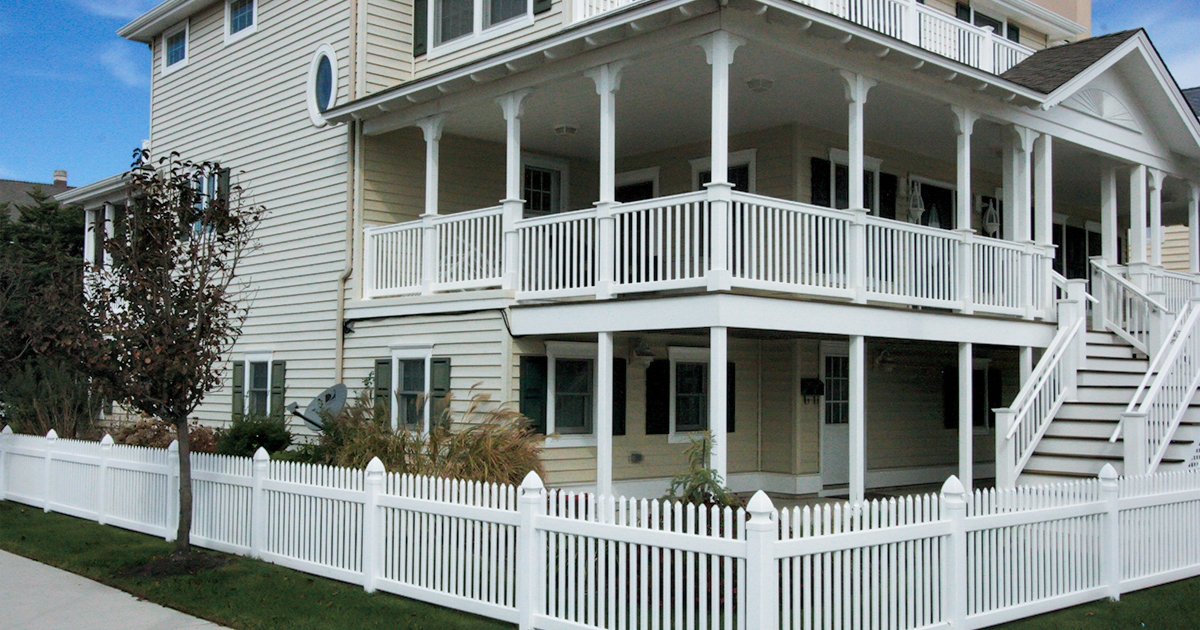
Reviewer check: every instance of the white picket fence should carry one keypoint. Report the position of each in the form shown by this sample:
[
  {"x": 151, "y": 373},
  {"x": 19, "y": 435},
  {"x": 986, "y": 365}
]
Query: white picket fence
[{"x": 554, "y": 559}]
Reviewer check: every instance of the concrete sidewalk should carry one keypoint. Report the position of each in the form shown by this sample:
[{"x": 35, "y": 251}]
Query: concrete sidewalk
[{"x": 34, "y": 595}]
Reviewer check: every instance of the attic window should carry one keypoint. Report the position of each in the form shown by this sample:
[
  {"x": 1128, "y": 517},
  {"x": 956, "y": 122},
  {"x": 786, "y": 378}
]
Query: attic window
[
  {"x": 322, "y": 83},
  {"x": 241, "y": 19},
  {"x": 175, "y": 48}
]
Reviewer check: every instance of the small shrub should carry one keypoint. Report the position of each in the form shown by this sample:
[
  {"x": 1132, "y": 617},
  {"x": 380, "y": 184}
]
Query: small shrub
[
  {"x": 701, "y": 485},
  {"x": 48, "y": 394},
  {"x": 247, "y": 433},
  {"x": 158, "y": 434}
]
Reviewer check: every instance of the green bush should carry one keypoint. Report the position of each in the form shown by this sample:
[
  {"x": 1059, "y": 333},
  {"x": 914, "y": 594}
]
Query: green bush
[
  {"x": 46, "y": 394},
  {"x": 247, "y": 433},
  {"x": 701, "y": 485}
]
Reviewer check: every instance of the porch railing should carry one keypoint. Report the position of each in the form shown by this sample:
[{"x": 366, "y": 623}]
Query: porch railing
[
  {"x": 1125, "y": 309},
  {"x": 1164, "y": 395},
  {"x": 1177, "y": 288},
  {"x": 662, "y": 243},
  {"x": 437, "y": 253},
  {"x": 779, "y": 245},
  {"x": 558, "y": 254}
]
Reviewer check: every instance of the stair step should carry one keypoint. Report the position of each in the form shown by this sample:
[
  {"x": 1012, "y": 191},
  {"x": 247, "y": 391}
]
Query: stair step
[
  {"x": 1040, "y": 477},
  {"x": 1058, "y": 464},
  {"x": 1113, "y": 352},
  {"x": 1103, "y": 378},
  {"x": 1081, "y": 429},
  {"x": 1103, "y": 338},
  {"x": 1120, "y": 395},
  {"x": 1069, "y": 446},
  {"x": 1138, "y": 366}
]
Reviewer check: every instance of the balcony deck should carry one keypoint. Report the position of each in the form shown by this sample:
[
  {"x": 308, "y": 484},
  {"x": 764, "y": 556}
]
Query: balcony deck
[{"x": 701, "y": 241}]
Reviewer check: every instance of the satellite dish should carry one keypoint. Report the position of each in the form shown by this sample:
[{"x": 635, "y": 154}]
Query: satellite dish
[{"x": 329, "y": 401}]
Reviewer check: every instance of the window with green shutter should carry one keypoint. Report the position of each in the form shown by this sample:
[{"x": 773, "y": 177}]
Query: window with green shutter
[
  {"x": 383, "y": 387},
  {"x": 238, "y": 387}
]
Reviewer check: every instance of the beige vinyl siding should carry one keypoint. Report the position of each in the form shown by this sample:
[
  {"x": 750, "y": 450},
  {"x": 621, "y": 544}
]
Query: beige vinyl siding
[
  {"x": 545, "y": 24},
  {"x": 245, "y": 104},
  {"x": 388, "y": 61},
  {"x": 806, "y": 424},
  {"x": 1175, "y": 256}
]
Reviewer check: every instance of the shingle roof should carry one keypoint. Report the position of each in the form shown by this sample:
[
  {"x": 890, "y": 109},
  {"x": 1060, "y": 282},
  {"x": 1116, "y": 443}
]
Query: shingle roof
[
  {"x": 1193, "y": 98},
  {"x": 1047, "y": 70}
]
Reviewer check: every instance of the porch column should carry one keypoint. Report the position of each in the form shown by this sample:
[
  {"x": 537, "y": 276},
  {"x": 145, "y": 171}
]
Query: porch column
[
  {"x": 718, "y": 49},
  {"x": 1194, "y": 228},
  {"x": 1043, "y": 184},
  {"x": 965, "y": 120},
  {"x": 857, "y": 87},
  {"x": 1023, "y": 150},
  {"x": 1156, "y": 228},
  {"x": 512, "y": 105},
  {"x": 966, "y": 422},
  {"x": 1109, "y": 242},
  {"x": 604, "y": 413},
  {"x": 608, "y": 81},
  {"x": 1137, "y": 214},
  {"x": 432, "y": 129},
  {"x": 718, "y": 355},
  {"x": 858, "y": 425}
]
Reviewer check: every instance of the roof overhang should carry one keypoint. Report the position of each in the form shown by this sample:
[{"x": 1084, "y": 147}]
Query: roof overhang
[
  {"x": 152, "y": 23},
  {"x": 108, "y": 190}
]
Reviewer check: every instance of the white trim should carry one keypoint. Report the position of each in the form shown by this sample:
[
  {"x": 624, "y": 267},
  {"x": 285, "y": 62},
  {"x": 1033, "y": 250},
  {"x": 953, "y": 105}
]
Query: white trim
[
  {"x": 258, "y": 356},
  {"x": 184, "y": 26},
  {"x": 314, "y": 112},
  {"x": 638, "y": 177},
  {"x": 246, "y": 32},
  {"x": 736, "y": 158},
  {"x": 422, "y": 352},
  {"x": 568, "y": 350},
  {"x": 480, "y": 32},
  {"x": 550, "y": 163},
  {"x": 677, "y": 354}
]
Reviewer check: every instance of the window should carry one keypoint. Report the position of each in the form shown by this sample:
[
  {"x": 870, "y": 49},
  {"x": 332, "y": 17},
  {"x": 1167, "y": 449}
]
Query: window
[
  {"x": 503, "y": 10},
  {"x": 175, "y": 48},
  {"x": 420, "y": 379},
  {"x": 258, "y": 386},
  {"x": 322, "y": 84},
  {"x": 209, "y": 187},
  {"x": 636, "y": 185},
  {"x": 558, "y": 393},
  {"x": 410, "y": 394},
  {"x": 545, "y": 185},
  {"x": 461, "y": 21},
  {"x": 987, "y": 393},
  {"x": 691, "y": 396},
  {"x": 573, "y": 395},
  {"x": 689, "y": 393},
  {"x": 931, "y": 203},
  {"x": 742, "y": 171},
  {"x": 837, "y": 389},
  {"x": 1001, "y": 28},
  {"x": 241, "y": 19}
]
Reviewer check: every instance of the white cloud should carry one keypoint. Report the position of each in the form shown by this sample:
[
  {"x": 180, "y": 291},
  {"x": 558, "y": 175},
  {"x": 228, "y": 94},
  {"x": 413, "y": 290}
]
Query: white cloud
[
  {"x": 124, "y": 64},
  {"x": 116, "y": 9}
]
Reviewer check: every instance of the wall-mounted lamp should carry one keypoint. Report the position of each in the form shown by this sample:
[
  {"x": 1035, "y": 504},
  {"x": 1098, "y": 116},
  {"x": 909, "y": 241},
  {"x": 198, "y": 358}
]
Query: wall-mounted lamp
[{"x": 643, "y": 352}]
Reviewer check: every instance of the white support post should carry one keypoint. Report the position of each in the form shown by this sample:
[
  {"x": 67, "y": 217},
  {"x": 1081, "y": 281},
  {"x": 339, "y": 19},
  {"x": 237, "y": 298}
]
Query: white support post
[
  {"x": 1110, "y": 533},
  {"x": 762, "y": 577},
  {"x": 1023, "y": 149},
  {"x": 258, "y": 504},
  {"x": 1156, "y": 229},
  {"x": 432, "y": 129},
  {"x": 987, "y": 51},
  {"x": 1108, "y": 216},
  {"x": 1133, "y": 434},
  {"x": 857, "y": 419},
  {"x": 1194, "y": 228},
  {"x": 372, "y": 532},
  {"x": 172, "y": 491},
  {"x": 47, "y": 488},
  {"x": 718, "y": 50},
  {"x": 1099, "y": 292},
  {"x": 1043, "y": 186},
  {"x": 106, "y": 444},
  {"x": 910, "y": 32},
  {"x": 856, "y": 87},
  {"x": 512, "y": 105},
  {"x": 531, "y": 552},
  {"x": 1073, "y": 309},
  {"x": 966, "y": 416},
  {"x": 1137, "y": 216},
  {"x": 954, "y": 559},
  {"x": 608, "y": 82},
  {"x": 1025, "y": 363},
  {"x": 718, "y": 395},
  {"x": 965, "y": 125},
  {"x": 1006, "y": 450},
  {"x": 5, "y": 437},
  {"x": 604, "y": 414}
]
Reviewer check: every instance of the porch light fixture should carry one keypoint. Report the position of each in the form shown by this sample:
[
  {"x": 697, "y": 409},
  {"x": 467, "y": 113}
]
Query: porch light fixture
[
  {"x": 643, "y": 352},
  {"x": 759, "y": 83},
  {"x": 565, "y": 130}
]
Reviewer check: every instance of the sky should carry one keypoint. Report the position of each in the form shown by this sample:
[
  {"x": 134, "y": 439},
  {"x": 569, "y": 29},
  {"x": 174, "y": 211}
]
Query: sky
[{"x": 76, "y": 96}]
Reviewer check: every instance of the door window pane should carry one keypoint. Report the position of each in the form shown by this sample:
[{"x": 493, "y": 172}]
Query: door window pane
[
  {"x": 691, "y": 396},
  {"x": 573, "y": 401},
  {"x": 837, "y": 390}
]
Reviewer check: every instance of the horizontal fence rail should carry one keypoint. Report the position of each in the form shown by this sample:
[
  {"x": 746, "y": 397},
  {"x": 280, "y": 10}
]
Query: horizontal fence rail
[{"x": 556, "y": 559}]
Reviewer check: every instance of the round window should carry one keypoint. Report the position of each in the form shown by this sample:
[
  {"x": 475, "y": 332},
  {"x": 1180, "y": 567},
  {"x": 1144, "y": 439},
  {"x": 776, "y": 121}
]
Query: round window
[{"x": 322, "y": 84}]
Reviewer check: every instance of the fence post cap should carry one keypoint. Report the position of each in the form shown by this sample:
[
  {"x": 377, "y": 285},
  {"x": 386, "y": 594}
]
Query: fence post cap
[
  {"x": 760, "y": 504},
  {"x": 52, "y": 434},
  {"x": 953, "y": 487},
  {"x": 374, "y": 467},
  {"x": 7, "y": 430},
  {"x": 1108, "y": 473},
  {"x": 173, "y": 447},
  {"x": 261, "y": 455},
  {"x": 532, "y": 482},
  {"x": 107, "y": 440}
]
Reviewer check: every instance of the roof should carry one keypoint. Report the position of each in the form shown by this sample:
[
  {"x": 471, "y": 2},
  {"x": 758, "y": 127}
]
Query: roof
[
  {"x": 1193, "y": 98},
  {"x": 1047, "y": 70},
  {"x": 17, "y": 192}
]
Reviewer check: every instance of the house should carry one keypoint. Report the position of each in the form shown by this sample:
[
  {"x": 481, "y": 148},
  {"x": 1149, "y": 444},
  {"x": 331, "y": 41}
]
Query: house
[
  {"x": 15, "y": 192},
  {"x": 851, "y": 238}
]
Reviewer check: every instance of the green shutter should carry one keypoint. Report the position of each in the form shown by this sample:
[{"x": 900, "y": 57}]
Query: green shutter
[
  {"x": 619, "y": 369},
  {"x": 819, "y": 182},
  {"x": 239, "y": 390},
  {"x": 962, "y": 11},
  {"x": 1014, "y": 33},
  {"x": 439, "y": 377},
  {"x": 730, "y": 397},
  {"x": 420, "y": 27},
  {"x": 383, "y": 387},
  {"x": 278, "y": 390},
  {"x": 541, "y": 6},
  {"x": 533, "y": 391},
  {"x": 658, "y": 397},
  {"x": 950, "y": 397},
  {"x": 223, "y": 185},
  {"x": 888, "y": 187}
]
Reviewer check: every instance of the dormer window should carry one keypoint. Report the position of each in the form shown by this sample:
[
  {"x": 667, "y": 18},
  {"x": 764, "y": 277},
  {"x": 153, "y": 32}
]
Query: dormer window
[
  {"x": 241, "y": 19},
  {"x": 175, "y": 48}
]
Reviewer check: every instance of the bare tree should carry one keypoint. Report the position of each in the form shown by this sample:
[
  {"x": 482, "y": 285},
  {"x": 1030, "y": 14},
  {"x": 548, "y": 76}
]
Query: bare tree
[{"x": 169, "y": 302}]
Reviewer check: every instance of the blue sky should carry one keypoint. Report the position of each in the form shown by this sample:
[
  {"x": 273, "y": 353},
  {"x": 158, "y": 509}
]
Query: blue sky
[{"x": 76, "y": 96}]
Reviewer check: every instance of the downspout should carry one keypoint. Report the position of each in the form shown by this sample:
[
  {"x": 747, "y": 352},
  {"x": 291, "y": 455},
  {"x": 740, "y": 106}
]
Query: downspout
[
  {"x": 353, "y": 197},
  {"x": 758, "y": 407}
]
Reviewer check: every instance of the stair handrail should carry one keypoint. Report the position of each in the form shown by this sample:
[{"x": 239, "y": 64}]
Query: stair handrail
[
  {"x": 1041, "y": 374},
  {"x": 1060, "y": 281},
  {"x": 1138, "y": 294},
  {"x": 1181, "y": 367},
  {"x": 1155, "y": 365}
]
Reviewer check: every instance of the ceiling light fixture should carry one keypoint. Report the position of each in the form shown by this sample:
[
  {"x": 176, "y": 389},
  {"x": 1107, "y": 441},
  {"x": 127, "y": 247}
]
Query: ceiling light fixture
[
  {"x": 565, "y": 130},
  {"x": 759, "y": 83}
]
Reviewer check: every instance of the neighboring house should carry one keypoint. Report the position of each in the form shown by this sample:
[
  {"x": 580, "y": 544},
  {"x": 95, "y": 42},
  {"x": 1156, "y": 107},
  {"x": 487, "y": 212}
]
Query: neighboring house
[
  {"x": 14, "y": 192},
  {"x": 827, "y": 231},
  {"x": 1193, "y": 98}
]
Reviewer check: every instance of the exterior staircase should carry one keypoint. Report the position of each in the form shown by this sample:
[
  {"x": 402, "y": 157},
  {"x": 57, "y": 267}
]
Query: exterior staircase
[{"x": 1076, "y": 443}]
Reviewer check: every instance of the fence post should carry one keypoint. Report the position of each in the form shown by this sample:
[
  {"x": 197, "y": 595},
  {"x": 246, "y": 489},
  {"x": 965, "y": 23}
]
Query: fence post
[
  {"x": 1006, "y": 449},
  {"x": 1133, "y": 430},
  {"x": 51, "y": 438},
  {"x": 172, "y": 519},
  {"x": 4, "y": 439},
  {"x": 856, "y": 255},
  {"x": 1099, "y": 291},
  {"x": 106, "y": 444},
  {"x": 954, "y": 563},
  {"x": 762, "y": 579},
  {"x": 531, "y": 552},
  {"x": 258, "y": 504},
  {"x": 371, "y": 530},
  {"x": 1110, "y": 542}
]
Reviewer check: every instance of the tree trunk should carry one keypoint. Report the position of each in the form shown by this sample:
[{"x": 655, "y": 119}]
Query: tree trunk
[{"x": 183, "y": 535}]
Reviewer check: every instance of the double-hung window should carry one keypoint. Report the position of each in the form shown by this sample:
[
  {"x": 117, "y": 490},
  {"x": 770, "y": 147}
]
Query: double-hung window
[
  {"x": 1002, "y": 28},
  {"x": 458, "y": 22},
  {"x": 241, "y": 19},
  {"x": 742, "y": 167},
  {"x": 175, "y": 48},
  {"x": 545, "y": 184},
  {"x": 690, "y": 381},
  {"x": 571, "y": 383},
  {"x": 407, "y": 384},
  {"x": 258, "y": 385}
]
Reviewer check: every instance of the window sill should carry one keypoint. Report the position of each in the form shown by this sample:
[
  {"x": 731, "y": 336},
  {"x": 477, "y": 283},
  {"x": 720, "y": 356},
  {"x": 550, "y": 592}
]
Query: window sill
[
  {"x": 570, "y": 441},
  {"x": 685, "y": 437},
  {"x": 175, "y": 67},
  {"x": 240, "y": 35},
  {"x": 468, "y": 41}
]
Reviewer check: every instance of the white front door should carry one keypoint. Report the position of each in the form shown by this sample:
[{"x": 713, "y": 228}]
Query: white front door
[{"x": 835, "y": 415}]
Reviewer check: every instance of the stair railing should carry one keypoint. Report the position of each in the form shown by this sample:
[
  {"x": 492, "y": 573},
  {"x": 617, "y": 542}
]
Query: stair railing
[
  {"x": 1127, "y": 310},
  {"x": 1164, "y": 396},
  {"x": 1021, "y": 426}
]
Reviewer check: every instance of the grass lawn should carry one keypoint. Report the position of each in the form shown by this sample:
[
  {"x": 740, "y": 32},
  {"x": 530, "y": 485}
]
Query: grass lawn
[
  {"x": 244, "y": 593},
  {"x": 1170, "y": 606}
]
